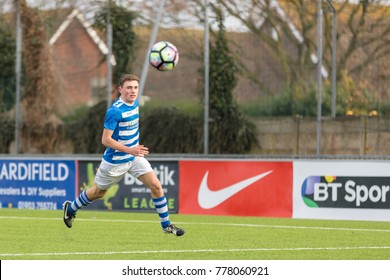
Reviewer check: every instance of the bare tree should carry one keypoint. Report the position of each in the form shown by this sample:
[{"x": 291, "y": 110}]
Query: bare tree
[
  {"x": 40, "y": 131},
  {"x": 287, "y": 32},
  {"x": 364, "y": 43}
]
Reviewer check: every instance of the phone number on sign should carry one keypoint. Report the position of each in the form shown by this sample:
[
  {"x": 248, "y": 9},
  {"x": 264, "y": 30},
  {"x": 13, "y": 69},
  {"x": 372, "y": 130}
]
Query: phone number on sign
[{"x": 39, "y": 205}]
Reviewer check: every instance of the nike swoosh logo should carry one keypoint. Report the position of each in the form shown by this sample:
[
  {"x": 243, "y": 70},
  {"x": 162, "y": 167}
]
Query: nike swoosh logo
[{"x": 208, "y": 199}]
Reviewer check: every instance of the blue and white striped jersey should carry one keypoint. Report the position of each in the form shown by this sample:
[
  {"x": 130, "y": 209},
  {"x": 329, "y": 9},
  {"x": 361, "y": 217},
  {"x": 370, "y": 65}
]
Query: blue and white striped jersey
[{"x": 123, "y": 120}]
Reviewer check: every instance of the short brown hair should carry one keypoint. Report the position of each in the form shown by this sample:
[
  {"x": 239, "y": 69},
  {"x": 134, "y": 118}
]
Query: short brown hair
[{"x": 126, "y": 78}]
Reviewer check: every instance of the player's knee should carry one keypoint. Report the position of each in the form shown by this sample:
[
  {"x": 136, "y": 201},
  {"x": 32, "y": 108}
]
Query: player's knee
[
  {"x": 156, "y": 188},
  {"x": 151, "y": 181},
  {"x": 100, "y": 194},
  {"x": 96, "y": 193}
]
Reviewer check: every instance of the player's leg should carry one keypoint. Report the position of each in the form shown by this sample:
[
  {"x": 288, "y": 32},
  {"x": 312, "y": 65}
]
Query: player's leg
[
  {"x": 149, "y": 179},
  {"x": 106, "y": 176},
  {"x": 84, "y": 199}
]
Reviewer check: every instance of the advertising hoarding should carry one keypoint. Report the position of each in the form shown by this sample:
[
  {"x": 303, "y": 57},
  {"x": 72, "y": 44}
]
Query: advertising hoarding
[
  {"x": 130, "y": 194},
  {"x": 342, "y": 190},
  {"x": 36, "y": 184},
  {"x": 241, "y": 188}
]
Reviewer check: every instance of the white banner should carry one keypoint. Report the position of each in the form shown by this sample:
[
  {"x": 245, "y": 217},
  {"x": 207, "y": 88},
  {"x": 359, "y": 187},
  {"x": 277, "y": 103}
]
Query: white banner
[
  {"x": 195, "y": 269},
  {"x": 341, "y": 190}
]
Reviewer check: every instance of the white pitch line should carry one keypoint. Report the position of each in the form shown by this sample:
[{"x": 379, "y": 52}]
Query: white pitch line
[
  {"x": 195, "y": 251},
  {"x": 201, "y": 223}
]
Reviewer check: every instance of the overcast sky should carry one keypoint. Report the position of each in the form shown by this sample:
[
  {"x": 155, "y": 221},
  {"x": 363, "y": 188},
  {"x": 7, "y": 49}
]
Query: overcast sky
[{"x": 86, "y": 7}]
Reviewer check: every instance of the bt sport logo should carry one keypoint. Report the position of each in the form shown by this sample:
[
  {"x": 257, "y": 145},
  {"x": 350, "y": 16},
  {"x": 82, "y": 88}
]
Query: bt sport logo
[{"x": 346, "y": 192}]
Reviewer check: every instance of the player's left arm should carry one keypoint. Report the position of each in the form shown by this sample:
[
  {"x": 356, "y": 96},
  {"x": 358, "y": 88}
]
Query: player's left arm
[{"x": 108, "y": 141}]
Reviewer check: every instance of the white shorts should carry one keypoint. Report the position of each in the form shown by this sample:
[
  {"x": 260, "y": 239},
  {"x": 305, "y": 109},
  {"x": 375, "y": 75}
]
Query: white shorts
[{"x": 109, "y": 174}]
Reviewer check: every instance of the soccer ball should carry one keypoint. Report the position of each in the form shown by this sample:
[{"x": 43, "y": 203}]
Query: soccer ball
[{"x": 163, "y": 56}]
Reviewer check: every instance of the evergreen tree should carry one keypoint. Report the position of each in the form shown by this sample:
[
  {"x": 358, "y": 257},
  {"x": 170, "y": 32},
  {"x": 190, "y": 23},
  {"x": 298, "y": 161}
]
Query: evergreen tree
[
  {"x": 7, "y": 66},
  {"x": 230, "y": 130},
  {"x": 124, "y": 38},
  {"x": 7, "y": 86},
  {"x": 86, "y": 134},
  {"x": 171, "y": 131}
]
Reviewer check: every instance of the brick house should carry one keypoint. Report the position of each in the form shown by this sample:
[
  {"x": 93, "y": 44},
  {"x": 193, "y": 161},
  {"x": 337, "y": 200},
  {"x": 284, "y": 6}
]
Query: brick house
[{"x": 79, "y": 59}]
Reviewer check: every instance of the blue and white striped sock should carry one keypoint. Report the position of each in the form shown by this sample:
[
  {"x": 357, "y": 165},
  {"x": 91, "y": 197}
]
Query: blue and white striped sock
[
  {"x": 162, "y": 210},
  {"x": 81, "y": 201}
]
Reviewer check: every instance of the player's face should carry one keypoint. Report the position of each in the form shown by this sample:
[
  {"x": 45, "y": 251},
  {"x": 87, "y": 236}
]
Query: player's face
[{"x": 129, "y": 91}]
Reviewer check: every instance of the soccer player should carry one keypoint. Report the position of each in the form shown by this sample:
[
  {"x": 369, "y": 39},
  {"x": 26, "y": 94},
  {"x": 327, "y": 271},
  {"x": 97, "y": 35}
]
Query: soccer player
[{"x": 123, "y": 155}]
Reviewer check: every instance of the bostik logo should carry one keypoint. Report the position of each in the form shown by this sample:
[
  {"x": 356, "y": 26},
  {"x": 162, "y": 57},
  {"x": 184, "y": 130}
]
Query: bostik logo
[
  {"x": 346, "y": 192},
  {"x": 167, "y": 174}
]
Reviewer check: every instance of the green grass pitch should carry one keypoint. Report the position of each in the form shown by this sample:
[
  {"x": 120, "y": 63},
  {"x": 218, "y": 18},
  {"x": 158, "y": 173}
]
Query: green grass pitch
[{"x": 105, "y": 235}]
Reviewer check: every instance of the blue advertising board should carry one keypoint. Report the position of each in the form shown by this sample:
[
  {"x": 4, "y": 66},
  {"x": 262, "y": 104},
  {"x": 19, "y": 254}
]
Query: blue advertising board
[{"x": 37, "y": 184}]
